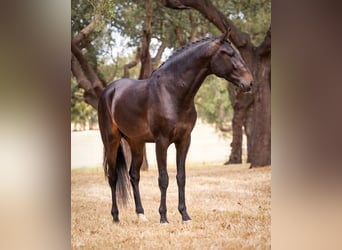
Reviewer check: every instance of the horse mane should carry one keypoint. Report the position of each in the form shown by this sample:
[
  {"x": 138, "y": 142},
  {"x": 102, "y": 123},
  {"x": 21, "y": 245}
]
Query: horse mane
[{"x": 186, "y": 47}]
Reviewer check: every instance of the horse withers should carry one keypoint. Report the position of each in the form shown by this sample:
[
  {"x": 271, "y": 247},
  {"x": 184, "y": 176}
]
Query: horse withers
[{"x": 161, "y": 110}]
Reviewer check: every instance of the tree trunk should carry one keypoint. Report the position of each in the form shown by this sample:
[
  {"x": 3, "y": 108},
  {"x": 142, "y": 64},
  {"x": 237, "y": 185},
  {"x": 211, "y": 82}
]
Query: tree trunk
[
  {"x": 84, "y": 73},
  {"x": 242, "y": 105},
  {"x": 156, "y": 60},
  {"x": 261, "y": 142},
  {"x": 132, "y": 64},
  {"x": 236, "y": 144},
  {"x": 145, "y": 58},
  {"x": 248, "y": 125}
]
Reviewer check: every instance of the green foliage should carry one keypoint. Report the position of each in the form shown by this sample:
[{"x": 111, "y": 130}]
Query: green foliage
[
  {"x": 112, "y": 72},
  {"x": 82, "y": 114},
  {"x": 250, "y": 16}
]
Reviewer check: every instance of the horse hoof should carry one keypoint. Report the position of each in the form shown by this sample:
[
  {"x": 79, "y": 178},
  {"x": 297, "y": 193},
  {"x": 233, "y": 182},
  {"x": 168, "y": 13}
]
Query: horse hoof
[
  {"x": 187, "y": 221},
  {"x": 142, "y": 218},
  {"x": 164, "y": 221}
]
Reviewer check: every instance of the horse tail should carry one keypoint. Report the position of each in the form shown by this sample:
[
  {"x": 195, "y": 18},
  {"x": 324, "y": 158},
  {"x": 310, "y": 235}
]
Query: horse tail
[
  {"x": 123, "y": 181},
  {"x": 114, "y": 163}
]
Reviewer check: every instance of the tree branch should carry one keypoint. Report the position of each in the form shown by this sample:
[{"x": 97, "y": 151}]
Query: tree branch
[
  {"x": 145, "y": 57},
  {"x": 90, "y": 27},
  {"x": 83, "y": 82},
  {"x": 194, "y": 27},
  {"x": 116, "y": 66},
  {"x": 265, "y": 47},
  {"x": 156, "y": 60},
  {"x": 85, "y": 75},
  {"x": 132, "y": 64},
  {"x": 173, "y": 4},
  {"x": 87, "y": 70},
  {"x": 210, "y": 12},
  {"x": 179, "y": 37}
]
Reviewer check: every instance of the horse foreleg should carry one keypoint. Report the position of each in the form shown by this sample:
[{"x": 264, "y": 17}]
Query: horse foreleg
[
  {"x": 163, "y": 179},
  {"x": 182, "y": 150}
]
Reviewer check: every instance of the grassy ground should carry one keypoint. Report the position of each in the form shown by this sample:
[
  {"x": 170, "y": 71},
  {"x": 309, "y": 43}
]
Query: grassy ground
[{"x": 229, "y": 206}]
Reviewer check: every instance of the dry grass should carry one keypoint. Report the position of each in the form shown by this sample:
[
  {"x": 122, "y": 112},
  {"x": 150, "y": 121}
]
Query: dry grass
[{"x": 229, "y": 206}]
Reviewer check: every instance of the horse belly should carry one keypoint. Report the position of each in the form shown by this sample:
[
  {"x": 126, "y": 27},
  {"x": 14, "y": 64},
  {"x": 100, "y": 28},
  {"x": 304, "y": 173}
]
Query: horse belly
[{"x": 136, "y": 130}]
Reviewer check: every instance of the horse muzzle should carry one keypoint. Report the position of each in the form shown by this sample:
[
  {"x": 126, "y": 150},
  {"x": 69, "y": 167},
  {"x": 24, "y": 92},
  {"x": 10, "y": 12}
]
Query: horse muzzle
[{"x": 245, "y": 87}]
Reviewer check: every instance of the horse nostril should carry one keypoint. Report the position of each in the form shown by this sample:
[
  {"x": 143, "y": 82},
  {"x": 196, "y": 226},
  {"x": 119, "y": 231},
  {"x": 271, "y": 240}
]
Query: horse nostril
[{"x": 251, "y": 84}]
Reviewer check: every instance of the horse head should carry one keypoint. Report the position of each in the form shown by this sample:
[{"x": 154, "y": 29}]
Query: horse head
[{"x": 227, "y": 63}]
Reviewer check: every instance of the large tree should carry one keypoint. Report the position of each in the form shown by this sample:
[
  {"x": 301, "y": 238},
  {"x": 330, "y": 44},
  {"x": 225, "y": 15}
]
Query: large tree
[{"x": 258, "y": 58}]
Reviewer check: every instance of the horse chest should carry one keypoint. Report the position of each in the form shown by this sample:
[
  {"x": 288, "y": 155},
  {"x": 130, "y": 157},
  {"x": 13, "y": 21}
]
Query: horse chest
[{"x": 181, "y": 129}]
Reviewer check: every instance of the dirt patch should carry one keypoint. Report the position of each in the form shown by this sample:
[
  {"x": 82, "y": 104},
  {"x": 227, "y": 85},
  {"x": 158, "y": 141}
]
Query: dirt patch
[{"x": 229, "y": 206}]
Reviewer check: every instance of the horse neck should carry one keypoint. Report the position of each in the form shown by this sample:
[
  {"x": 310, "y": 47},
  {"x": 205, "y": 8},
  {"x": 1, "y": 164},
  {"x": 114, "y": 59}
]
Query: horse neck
[{"x": 186, "y": 78}]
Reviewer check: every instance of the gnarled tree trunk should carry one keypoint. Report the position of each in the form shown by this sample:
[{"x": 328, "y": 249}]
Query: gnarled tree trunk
[
  {"x": 145, "y": 58},
  {"x": 242, "y": 105}
]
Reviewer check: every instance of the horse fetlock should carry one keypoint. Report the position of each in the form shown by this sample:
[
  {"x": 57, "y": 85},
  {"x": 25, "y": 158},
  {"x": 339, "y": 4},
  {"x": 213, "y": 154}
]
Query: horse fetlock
[
  {"x": 187, "y": 221},
  {"x": 116, "y": 219},
  {"x": 164, "y": 221},
  {"x": 186, "y": 218}
]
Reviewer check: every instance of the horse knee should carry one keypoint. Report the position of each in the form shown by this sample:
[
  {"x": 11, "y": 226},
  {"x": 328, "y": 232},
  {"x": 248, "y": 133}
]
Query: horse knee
[
  {"x": 182, "y": 208},
  {"x": 180, "y": 180},
  {"x": 163, "y": 181}
]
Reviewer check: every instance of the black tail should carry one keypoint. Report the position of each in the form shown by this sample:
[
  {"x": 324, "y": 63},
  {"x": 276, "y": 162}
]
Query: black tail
[
  {"x": 114, "y": 163},
  {"x": 121, "y": 174}
]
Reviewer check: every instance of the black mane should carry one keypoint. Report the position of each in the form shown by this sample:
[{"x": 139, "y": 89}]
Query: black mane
[{"x": 186, "y": 47}]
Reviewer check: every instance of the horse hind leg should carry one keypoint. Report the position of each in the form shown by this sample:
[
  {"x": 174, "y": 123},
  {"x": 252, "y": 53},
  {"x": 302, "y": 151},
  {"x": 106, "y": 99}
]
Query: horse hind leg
[
  {"x": 116, "y": 171},
  {"x": 114, "y": 161},
  {"x": 134, "y": 173},
  {"x": 110, "y": 155},
  {"x": 114, "y": 164},
  {"x": 112, "y": 180}
]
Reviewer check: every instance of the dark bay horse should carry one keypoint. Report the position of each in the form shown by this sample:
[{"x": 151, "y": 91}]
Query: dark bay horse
[{"x": 161, "y": 110}]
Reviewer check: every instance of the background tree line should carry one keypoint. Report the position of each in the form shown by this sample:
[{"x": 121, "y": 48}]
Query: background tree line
[{"x": 154, "y": 28}]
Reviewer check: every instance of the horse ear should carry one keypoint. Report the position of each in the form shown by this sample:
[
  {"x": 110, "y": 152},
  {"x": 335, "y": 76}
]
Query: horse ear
[{"x": 225, "y": 35}]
